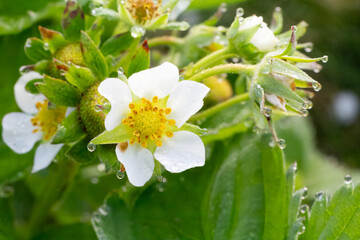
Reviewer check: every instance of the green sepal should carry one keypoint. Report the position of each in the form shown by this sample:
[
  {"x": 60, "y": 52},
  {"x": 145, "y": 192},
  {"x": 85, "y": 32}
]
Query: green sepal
[
  {"x": 238, "y": 38},
  {"x": 215, "y": 18},
  {"x": 117, "y": 44},
  {"x": 79, "y": 152},
  {"x": 105, "y": 13},
  {"x": 157, "y": 168},
  {"x": 124, "y": 14},
  {"x": 291, "y": 47},
  {"x": 141, "y": 59},
  {"x": 287, "y": 69},
  {"x": 300, "y": 31},
  {"x": 53, "y": 39},
  {"x": 277, "y": 21},
  {"x": 30, "y": 86},
  {"x": 108, "y": 157},
  {"x": 72, "y": 20},
  {"x": 274, "y": 86},
  {"x": 178, "y": 26},
  {"x": 59, "y": 92},
  {"x": 35, "y": 49},
  {"x": 192, "y": 128},
  {"x": 120, "y": 133},
  {"x": 80, "y": 77},
  {"x": 301, "y": 59},
  {"x": 70, "y": 129},
  {"x": 257, "y": 94},
  {"x": 93, "y": 57}
]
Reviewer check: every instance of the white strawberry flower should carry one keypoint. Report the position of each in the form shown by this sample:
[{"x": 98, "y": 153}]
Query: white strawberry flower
[
  {"x": 21, "y": 130},
  {"x": 147, "y": 114}
]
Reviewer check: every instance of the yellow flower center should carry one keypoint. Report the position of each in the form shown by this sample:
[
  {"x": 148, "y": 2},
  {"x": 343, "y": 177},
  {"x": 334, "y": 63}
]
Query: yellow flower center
[
  {"x": 143, "y": 10},
  {"x": 47, "y": 119},
  {"x": 148, "y": 121}
]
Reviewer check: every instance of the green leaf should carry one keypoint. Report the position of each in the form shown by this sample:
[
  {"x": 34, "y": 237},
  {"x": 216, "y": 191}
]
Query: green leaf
[
  {"x": 93, "y": 57},
  {"x": 59, "y": 92},
  {"x": 107, "y": 155},
  {"x": 68, "y": 231},
  {"x": 274, "y": 86},
  {"x": 7, "y": 230},
  {"x": 80, "y": 77},
  {"x": 30, "y": 86},
  {"x": 14, "y": 23},
  {"x": 117, "y": 44},
  {"x": 247, "y": 194},
  {"x": 287, "y": 69},
  {"x": 72, "y": 21},
  {"x": 53, "y": 39},
  {"x": 35, "y": 49},
  {"x": 79, "y": 152},
  {"x": 177, "y": 26},
  {"x": 70, "y": 130},
  {"x": 140, "y": 61},
  {"x": 342, "y": 216},
  {"x": 119, "y": 134}
]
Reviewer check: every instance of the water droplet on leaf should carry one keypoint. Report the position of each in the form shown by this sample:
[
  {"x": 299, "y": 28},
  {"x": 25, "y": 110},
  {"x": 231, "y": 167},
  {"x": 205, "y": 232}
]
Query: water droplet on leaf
[
  {"x": 223, "y": 8},
  {"x": 46, "y": 46},
  {"x": 239, "y": 12},
  {"x": 348, "y": 179},
  {"x": 137, "y": 31},
  {"x": 98, "y": 107},
  {"x": 316, "y": 86},
  {"x": 319, "y": 196},
  {"x": 304, "y": 208},
  {"x": 293, "y": 28},
  {"x": 91, "y": 147},
  {"x": 324, "y": 59},
  {"x": 281, "y": 143},
  {"x": 301, "y": 230},
  {"x": 305, "y": 193},
  {"x": 267, "y": 111},
  {"x": 120, "y": 174}
]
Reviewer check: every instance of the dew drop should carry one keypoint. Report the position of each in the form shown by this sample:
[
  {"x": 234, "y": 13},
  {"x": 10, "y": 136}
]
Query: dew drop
[
  {"x": 308, "y": 105},
  {"x": 304, "y": 113},
  {"x": 235, "y": 60},
  {"x": 272, "y": 143},
  {"x": 28, "y": 43},
  {"x": 281, "y": 143},
  {"x": 316, "y": 86},
  {"x": 98, "y": 107},
  {"x": 46, "y": 46},
  {"x": 316, "y": 70},
  {"x": 267, "y": 111},
  {"x": 161, "y": 179},
  {"x": 348, "y": 179},
  {"x": 301, "y": 230},
  {"x": 94, "y": 180},
  {"x": 319, "y": 196},
  {"x": 304, "y": 208},
  {"x": 309, "y": 47},
  {"x": 91, "y": 147},
  {"x": 120, "y": 174},
  {"x": 294, "y": 166},
  {"x": 278, "y": 9},
  {"x": 293, "y": 28},
  {"x": 120, "y": 72},
  {"x": 324, "y": 59},
  {"x": 24, "y": 69},
  {"x": 137, "y": 31},
  {"x": 239, "y": 12},
  {"x": 305, "y": 193},
  {"x": 103, "y": 210}
]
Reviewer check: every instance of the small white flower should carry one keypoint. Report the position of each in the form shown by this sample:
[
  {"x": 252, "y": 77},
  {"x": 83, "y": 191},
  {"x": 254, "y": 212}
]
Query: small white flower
[
  {"x": 151, "y": 108},
  {"x": 20, "y": 131},
  {"x": 264, "y": 39}
]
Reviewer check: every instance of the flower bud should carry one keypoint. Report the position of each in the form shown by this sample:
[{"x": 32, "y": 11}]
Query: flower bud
[{"x": 220, "y": 89}]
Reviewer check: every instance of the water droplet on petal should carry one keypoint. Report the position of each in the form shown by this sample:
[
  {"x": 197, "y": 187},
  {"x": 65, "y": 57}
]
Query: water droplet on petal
[
  {"x": 324, "y": 59},
  {"x": 316, "y": 86},
  {"x": 239, "y": 12},
  {"x": 319, "y": 196},
  {"x": 120, "y": 174},
  {"x": 91, "y": 147},
  {"x": 281, "y": 143},
  {"x": 348, "y": 179}
]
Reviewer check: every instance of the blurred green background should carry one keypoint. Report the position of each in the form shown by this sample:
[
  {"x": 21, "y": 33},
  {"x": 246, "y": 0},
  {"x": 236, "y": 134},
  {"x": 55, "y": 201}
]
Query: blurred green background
[{"x": 334, "y": 28}]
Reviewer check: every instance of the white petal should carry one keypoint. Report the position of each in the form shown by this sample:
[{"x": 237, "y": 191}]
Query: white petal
[
  {"x": 17, "y": 132},
  {"x": 186, "y": 100},
  {"x": 278, "y": 102},
  {"x": 264, "y": 39},
  {"x": 182, "y": 151},
  {"x": 138, "y": 163},
  {"x": 119, "y": 95},
  {"x": 25, "y": 100},
  {"x": 179, "y": 8},
  {"x": 250, "y": 22},
  {"x": 158, "y": 81},
  {"x": 44, "y": 154},
  {"x": 69, "y": 110}
]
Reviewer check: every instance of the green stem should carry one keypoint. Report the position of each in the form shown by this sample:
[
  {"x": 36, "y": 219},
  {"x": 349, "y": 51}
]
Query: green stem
[
  {"x": 209, "y": 60},
  {"x": 217, "y": 108},
  {"x": 165, "y": 40},
  {"x": 225, "y": 68},
  {"x": 60, "y": 177}
]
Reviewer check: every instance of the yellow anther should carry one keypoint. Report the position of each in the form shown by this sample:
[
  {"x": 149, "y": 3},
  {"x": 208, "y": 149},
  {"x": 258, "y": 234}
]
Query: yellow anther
[
  {"x": 132, "y": 141},
  {"x": 146, "y": 108},
  {"x": 136, "y": 133},
  {"x": 144, "y": 144},
  {"x": 143, "y": 100},
  {"x": 161, "y": 110},
  {"x": 131, "y": 105},
  {"x": 163, "y": 120},
  {"x": 158, "y": 143},
  {"x": 147, "y": 137},
  {"x": 167, "y": 110},
  {"x": 155, "y": 99},
  {"x": 135, "y": 112},
  {"x": 169, "y": 134},
  {"x": 155, "y": 109},
  {"x": 35, "y": 130},
  {"x": 129, "y": 117},
  {"x": 138, "y": 139},
  {"x": 123, "y": 146},
  {"x": 153, "y": 136},
  {"x": 172, "y": 122},
  {"x": 125, "y": 121}
]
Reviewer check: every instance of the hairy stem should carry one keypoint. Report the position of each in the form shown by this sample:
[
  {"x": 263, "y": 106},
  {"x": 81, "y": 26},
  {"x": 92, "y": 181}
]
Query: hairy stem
[
  {"x": 165, "y": 40},
  {"x": 217, "y": 108}
]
